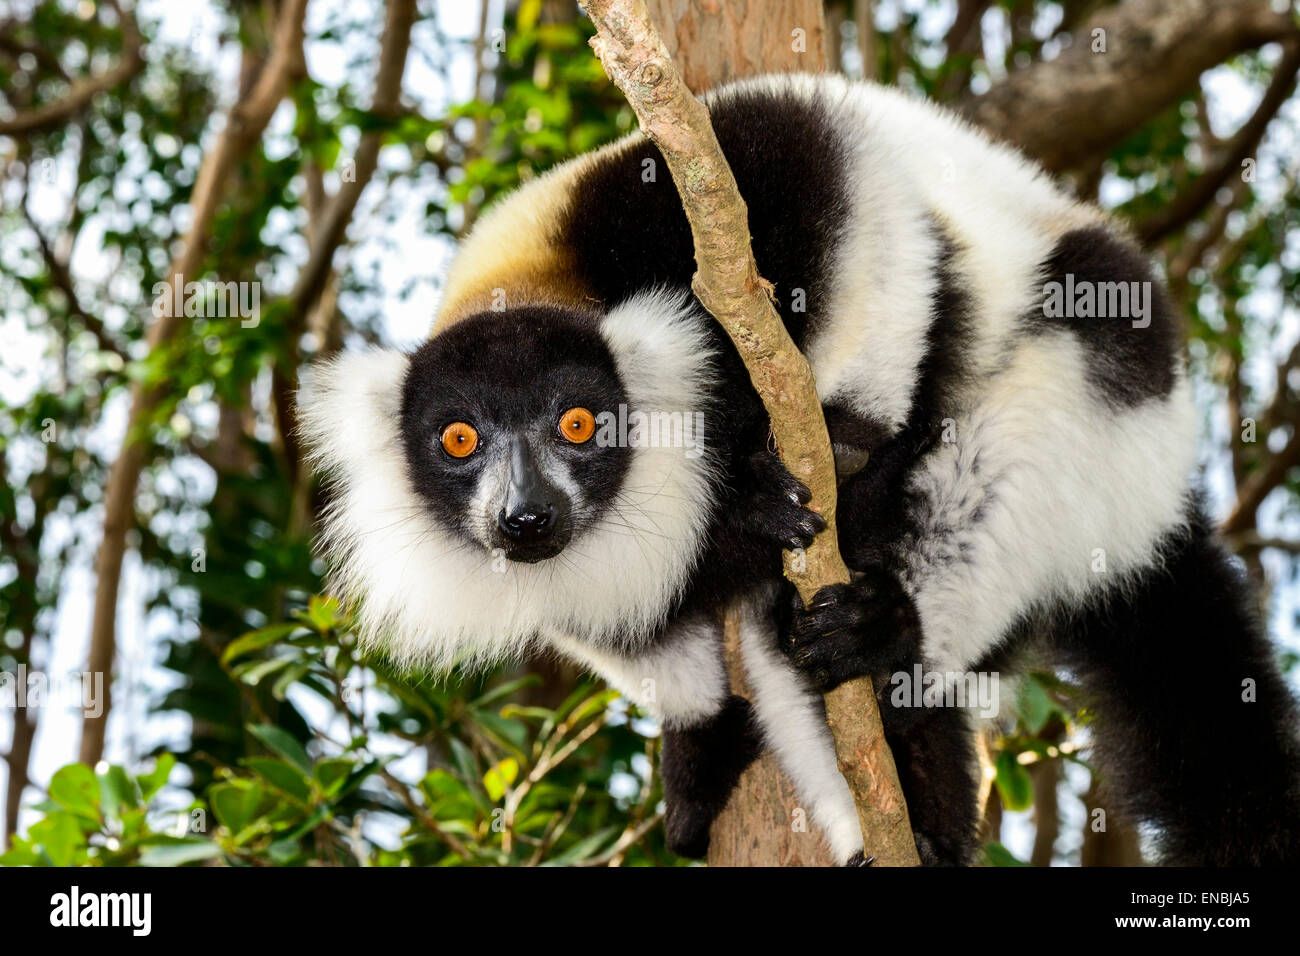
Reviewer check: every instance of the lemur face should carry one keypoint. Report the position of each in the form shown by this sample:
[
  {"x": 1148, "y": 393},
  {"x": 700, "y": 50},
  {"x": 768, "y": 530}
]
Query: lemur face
[{"x": 499, "y": 429}]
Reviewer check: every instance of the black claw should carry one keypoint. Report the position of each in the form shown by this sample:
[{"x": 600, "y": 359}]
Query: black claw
[
  {"x": 858, "y": 859},
  {"x": 850, "y": 630}
]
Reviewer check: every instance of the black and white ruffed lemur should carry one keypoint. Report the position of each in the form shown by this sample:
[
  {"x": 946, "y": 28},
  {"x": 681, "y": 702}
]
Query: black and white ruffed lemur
[{"x": 1009, "y": 474}]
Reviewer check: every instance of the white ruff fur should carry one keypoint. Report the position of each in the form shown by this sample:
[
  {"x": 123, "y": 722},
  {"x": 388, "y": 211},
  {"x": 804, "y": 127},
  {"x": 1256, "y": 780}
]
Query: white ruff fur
[{"x": 429, "y": 598}]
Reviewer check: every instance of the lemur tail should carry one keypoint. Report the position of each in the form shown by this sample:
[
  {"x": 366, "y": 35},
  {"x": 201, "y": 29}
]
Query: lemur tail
[{"x": 1196, "y": 729}]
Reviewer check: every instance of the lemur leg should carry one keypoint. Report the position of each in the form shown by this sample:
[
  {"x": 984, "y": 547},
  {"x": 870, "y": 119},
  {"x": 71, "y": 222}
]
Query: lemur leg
[
  {"x": 709, "y": 734},
  {"x": 939, "y": 772},
  {"x": 700, "y": 766},
  {"x": 793, "y": 719},
  {"x": 933, "y": 748},
  {"x": 1196, "y": 729}
]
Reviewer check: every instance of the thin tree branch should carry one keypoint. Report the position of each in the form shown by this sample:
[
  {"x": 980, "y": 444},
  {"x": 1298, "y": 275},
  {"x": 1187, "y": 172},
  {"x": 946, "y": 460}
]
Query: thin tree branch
[
  {"x": 328, "y": 232},
  {"x": 961, "y": 44},
  {"x": 1253, "y": 541},
  {"x": 82, "y": 92},
  {"x": 63, "y": 281},
  {"x": 1187, "y": 205},
  {"x": 1259, "y": 484},
  {"x": 728, "y": 285},
  {"x": 864, "y": 17},
  {"x": 1154, "y": 50},
  {"x": 330, "y": 216}
]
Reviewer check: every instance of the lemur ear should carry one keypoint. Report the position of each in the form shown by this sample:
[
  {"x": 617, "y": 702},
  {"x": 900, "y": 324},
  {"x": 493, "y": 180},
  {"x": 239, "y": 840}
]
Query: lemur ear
[{"x": 349, "y": 406}]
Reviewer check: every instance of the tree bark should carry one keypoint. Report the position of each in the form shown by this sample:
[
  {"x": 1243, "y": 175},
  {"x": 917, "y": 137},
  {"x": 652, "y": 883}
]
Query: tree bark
[
  {"x": 1116, "y": 845},
  {"x": 728, "y": 285},
  {"x": 1047, "y": 821},
  {"x": 1154, "y": 52},
  {"x": 714, "y": 41}
]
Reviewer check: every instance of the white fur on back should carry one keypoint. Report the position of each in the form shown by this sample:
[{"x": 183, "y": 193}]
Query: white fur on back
[
  {"x": 1045, "y": 495},
  {"x": 428, "y": 597}
]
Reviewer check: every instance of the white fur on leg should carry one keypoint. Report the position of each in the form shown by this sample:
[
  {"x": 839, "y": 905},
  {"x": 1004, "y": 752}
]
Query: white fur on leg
[
  {"x": 794, "y": 724},
  {"x": 680, "y": 679}
]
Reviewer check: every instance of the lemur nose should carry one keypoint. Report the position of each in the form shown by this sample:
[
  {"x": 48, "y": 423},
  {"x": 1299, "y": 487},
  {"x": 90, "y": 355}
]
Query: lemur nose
[{"x": 530, "y": 522}]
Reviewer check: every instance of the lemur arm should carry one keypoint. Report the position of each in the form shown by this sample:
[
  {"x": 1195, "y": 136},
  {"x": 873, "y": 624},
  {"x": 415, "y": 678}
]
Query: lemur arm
[{"x": 1040, "y": 496}]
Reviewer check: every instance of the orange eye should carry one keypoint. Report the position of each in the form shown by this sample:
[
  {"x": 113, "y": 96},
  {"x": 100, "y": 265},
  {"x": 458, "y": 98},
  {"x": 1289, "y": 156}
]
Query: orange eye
[
  {"x": 577, "y": 425},
  {"x": 459, "y": 439}
]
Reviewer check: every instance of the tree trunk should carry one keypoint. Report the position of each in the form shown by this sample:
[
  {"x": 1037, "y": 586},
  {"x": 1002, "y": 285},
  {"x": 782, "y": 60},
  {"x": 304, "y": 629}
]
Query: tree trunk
[
  {"x": 1047, "y": 820},
  {"x": 713, "y": 42},
  {"x": 245, "y": 123},
  {"x": 1116, "y": 845}
]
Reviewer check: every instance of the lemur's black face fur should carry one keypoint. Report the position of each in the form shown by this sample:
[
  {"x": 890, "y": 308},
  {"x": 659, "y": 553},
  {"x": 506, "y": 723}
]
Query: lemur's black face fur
[{"x": 499, "y": 425}]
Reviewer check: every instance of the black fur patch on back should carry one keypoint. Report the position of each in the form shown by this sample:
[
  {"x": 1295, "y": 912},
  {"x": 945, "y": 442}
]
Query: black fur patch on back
[
  {"x": 790, "y": 164},
  {"x": 1127, "y": 364}
]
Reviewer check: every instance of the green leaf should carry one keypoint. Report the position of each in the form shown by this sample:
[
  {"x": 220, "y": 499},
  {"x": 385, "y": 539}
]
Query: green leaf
[
  {"x": 252, "y": 672},
  {"x": 464, "y": 760},
  {"x": 324, "y": 613},
  {"x": 1034, "y": 705},
  {"x": 282, "y": 776},
  {"x": 117, "y": 790},
  {"x": 292, "y": 674},
  {"x": 998, "y": 855},
  {"x": 1014, "y": 783},
  {"x": 280, "y": 742},
  {"x": 507, "y": 689},
  {"x": 76, "y": 789},
  {"x": 178, "y": 854},
  {"x": 332, "y": 773},
  {"x": 501, "y": 777},
  {"x": 283, "y": 852},
  {"x": 60, "y": 837},
  {"x": 584, "y": 848},
  {"x": 235, "y": 804},
  {"x": 153, "y": 781},
  {"x": 256, "y": 640}
]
